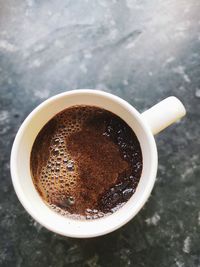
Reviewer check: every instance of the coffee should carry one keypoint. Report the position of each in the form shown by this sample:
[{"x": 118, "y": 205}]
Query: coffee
[{"x": 86, "y": 162}]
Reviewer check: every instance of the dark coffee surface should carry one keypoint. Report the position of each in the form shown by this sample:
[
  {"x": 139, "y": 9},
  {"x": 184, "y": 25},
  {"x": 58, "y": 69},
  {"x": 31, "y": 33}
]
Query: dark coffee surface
[{"x": 86, "y": 162}]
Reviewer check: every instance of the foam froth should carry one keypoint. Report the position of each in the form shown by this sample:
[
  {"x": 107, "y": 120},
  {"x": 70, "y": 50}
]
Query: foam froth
[{"x": 78, "y": 160}]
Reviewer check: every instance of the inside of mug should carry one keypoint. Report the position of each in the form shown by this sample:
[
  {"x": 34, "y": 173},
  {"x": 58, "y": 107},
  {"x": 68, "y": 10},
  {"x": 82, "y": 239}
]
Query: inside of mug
[{"x": 20, "y": 164}]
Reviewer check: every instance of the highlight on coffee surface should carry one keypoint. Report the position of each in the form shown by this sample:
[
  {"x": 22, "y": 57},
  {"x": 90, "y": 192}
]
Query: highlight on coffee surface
[{"x": 86, "y": 162}]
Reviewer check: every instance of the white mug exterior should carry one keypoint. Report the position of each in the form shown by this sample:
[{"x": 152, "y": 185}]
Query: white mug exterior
[{"x": 20, "y": 161}]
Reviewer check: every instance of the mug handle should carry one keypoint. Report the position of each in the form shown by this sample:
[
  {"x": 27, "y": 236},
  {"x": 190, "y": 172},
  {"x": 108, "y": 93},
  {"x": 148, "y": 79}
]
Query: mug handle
[{"x": 164, "y": 114}]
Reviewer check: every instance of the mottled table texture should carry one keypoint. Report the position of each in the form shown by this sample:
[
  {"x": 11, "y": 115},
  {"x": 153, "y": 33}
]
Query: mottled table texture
[{"x": 140, "y": 50}]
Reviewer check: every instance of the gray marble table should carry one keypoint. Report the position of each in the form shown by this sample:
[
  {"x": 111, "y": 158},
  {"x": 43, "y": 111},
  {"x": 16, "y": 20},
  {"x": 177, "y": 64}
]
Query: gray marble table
[{"x": 140, "y": 50}]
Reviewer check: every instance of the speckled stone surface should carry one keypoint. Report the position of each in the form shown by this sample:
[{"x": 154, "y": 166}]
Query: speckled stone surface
[{"x": 140, "y": 50}]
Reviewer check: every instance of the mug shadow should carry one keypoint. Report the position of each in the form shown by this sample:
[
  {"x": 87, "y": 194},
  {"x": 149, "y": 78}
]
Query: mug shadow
[{"x": 114, "y": 249}]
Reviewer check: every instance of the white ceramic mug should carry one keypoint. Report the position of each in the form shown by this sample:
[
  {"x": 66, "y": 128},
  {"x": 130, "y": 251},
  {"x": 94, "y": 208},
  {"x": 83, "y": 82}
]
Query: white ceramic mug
[{"x": 144, "y": 125}]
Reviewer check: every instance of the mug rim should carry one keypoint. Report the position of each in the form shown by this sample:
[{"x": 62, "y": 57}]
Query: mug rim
[{"x": 56, "y": 97}]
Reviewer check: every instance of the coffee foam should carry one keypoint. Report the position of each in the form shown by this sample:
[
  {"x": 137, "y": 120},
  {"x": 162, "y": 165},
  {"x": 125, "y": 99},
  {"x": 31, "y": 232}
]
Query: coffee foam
[
  {"x": 56, "y": 167},
  {"x": 59, "y": 176}
]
